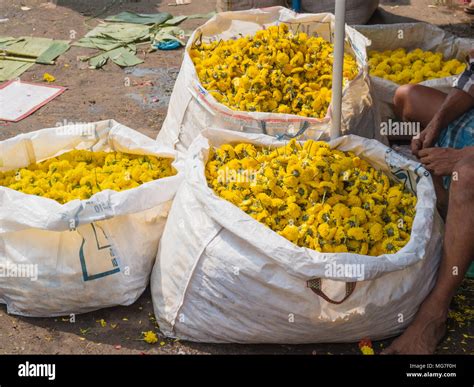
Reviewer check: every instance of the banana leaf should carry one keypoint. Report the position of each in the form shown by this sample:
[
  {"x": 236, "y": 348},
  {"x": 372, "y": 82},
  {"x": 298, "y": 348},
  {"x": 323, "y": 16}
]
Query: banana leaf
[
  {"x": 27, "y": 49},
  {"x": 140, "y": 18}
]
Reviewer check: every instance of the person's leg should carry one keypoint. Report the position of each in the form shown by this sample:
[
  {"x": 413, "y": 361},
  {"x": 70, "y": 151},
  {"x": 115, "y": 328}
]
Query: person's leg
[
  {"x": 429, "y": 325},
  {"x": 417, "y": 103},
  {"x": 442, "y": 196}
]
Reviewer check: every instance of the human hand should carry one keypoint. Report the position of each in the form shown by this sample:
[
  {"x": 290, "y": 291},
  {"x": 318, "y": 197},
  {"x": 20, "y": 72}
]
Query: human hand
[
  {"x": 440, "y": 161},
  {"x": 426, "y": 139}
]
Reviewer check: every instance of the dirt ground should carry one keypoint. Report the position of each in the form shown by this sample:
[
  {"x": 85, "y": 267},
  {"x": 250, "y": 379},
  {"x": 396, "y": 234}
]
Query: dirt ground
[{"x": 94, "y": 95}]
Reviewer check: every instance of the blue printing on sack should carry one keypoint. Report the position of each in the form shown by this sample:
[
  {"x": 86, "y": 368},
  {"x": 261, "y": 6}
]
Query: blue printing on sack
[
  {"x": 85, "y": 275},
  {"x": 304, "y": 127}
]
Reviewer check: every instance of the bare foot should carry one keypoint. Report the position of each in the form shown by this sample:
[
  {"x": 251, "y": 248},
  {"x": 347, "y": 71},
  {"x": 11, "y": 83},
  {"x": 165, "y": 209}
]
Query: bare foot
[
  {"x": 423, "y": 334},
  {"x": 470, "y": 8}
]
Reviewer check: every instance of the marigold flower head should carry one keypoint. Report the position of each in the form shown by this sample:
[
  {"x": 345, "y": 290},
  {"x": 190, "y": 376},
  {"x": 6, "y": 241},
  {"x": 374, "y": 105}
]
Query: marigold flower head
[{"x": 150, "y": 337}]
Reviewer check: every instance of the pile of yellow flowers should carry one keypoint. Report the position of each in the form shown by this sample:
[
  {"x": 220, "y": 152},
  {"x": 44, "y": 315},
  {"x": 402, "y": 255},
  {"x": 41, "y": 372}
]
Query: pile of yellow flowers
[
  {"x": 413, "y": 67},
  {"x": 79, "y": 174},
  {"x": 316, "y": 197},
  {"x": 274, "y": 71}
]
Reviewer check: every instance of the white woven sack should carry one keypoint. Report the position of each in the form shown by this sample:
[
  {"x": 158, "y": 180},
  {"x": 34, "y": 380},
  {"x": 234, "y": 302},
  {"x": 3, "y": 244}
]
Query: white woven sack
[
  {"x": 221, "y": 276},
  {"x": 86, "y": 254}
]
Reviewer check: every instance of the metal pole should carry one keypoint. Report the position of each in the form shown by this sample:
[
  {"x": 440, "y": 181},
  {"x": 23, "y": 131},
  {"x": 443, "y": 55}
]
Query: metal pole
[
  {"x": 296, "y": 5},
  {"x": 339, "y": 35}
]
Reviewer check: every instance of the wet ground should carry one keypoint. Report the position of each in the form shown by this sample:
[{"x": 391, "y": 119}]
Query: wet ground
[{"x": 138, "y": 97}]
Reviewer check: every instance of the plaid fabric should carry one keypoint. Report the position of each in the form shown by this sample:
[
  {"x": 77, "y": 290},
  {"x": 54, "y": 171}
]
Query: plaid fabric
[
  {"x": 465, "y": 82},
  {"x": 458, "y": 134}
]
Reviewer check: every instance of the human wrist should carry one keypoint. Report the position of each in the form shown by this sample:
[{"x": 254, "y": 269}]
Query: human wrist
[{"x": 436, "y": 124}]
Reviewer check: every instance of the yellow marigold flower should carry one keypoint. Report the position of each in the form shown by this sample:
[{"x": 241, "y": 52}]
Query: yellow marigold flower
[
  {"x": 282, "y": 58},
  {"x": 295, "y": 170},
  {"x": 265, "y": 199},
  {"x": 48, "y": 77},
  {"x": 366, "y": 350},
  {"x": 376, "y": 232},
  {"x": 359, "y": 213},
  {"x": 394, "y": 196},
  {"x": 391, "y": 230},
  {"x": 389, "y": 246},
  {"x": 324, "y": 230},
  {"x": 291, "y": 233},
  {"x": 354, "y": 201},
  {"x": 290, "y": 180},
  {"x": 294, "y": 210},
  {"x": 340, "y": 249},
  {"x": 357, "y": 233},
  {"x": 341, "y": 211},
  {"x": 150, "y": 337}
]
